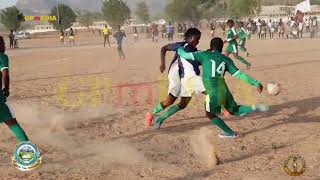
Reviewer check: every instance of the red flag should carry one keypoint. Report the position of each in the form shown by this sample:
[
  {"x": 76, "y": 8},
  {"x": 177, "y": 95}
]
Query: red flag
[{"x": 299, "y": 16}]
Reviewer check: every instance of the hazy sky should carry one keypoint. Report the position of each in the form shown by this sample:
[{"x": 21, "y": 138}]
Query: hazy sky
[{"x": 7, "y": 3}]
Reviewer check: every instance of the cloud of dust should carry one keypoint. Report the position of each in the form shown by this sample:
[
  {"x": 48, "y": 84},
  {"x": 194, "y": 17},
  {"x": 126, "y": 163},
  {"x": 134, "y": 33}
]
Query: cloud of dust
[
  {"x": 49, "y": 127},
  {"x": 203, "y": 147}
]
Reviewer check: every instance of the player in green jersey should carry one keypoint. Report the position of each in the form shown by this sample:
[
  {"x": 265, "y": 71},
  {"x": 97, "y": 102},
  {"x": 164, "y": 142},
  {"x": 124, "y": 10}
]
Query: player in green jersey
[
  {"x": 243, "y": 38},
  {"x": 232, "y": 48},
  {"x": 214, "y": 65},
  {"x": 6, "y": 115}
]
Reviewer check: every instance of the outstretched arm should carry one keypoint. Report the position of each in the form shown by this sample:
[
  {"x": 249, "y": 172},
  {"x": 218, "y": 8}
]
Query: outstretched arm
[
  {"x": 4, "y": 68},
  {"x": 185, "y": 55},
  {"x": 248, "y": 79},
  {"x": 195, "y": 56},
  {"x": 6, "y": 81},
  {"x": 164, "y": 49}
]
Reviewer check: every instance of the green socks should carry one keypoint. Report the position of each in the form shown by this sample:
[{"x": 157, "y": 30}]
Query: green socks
[
  {"x": 220, "y": 123},
  {"x": 243, "y": 61},
  {"x": 19, "y": 132},
  {"x": 244, "y": 110},
  {"x": 243, "y": 49},
  {"x": 158, "y": 108},
  {"x": 172, "y": 110}
]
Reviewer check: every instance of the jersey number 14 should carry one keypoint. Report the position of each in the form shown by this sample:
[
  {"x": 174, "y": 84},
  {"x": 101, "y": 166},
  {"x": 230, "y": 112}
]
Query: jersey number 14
[{"x": 220, "y": 70}]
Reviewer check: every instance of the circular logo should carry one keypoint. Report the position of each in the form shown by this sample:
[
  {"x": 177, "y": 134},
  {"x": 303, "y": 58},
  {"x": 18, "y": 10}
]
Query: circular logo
[
  {"x": 295, "y": 165},
  {"x": 26, "y": 156}
]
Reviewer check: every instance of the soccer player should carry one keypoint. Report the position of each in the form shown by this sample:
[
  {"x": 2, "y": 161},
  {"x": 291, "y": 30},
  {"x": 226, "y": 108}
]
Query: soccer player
[
  {"x": 106, "y": 33},
  {"x": 135, "y": 34},
  {"x": 184, "y": 79},
  {"x": 212, "y": 29},
  {"x": 170, "y": 32},
  {"x": 71, "y": 36},
  {"x": 119, "y": 35},
  {"x": 232, "y": 48},
  {"x": 214, "y": 65},
  {"x": 6, "y": 115},
  {"x": 11, "y": 39},
  {"x": 155, "y": 32},
  {"x": 281, "y": 28},
  {"x": 243, "y": 38},
  {"x": 61, "y": 37}
]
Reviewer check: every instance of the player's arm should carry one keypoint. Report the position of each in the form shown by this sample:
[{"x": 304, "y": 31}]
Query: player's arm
[
  {"x": 234, "y": 71},
  {"x": 4, "y": 67},
  {"x": 164, "y": 49},
  {"x": 195, "y": 56}
]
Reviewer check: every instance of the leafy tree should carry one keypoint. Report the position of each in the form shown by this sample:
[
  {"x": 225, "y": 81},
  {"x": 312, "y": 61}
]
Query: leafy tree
[
  {"x": 65, "y": 18},
  {"x": 11, "y": 18},
  {"x": 243, "y": 8},
  {"x": 143, "y": 12},
  {"x": 86, "y": 18},
  {"x": 115, "y": 12},
  {"x": 184, "y": 10},
  {"x": 315, "y": 2}
]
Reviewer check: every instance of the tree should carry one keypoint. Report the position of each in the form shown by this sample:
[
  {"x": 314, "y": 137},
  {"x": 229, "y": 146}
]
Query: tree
[
  {"x": 115, "y": 12},
  {"x": 65, "y": 18},
  {"x": 11, "y": 18},
  {"x": 86, "y": 18},
  {"x": 243, "y": 8},
  {"x": 184, "y": 10},
  {"x": 143, "y": 12},
  {"x": 315, "y": 2}
]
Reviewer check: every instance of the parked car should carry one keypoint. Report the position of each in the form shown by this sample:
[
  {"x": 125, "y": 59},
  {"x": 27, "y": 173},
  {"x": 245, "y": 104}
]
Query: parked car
[{"x": 23, "y": 35}]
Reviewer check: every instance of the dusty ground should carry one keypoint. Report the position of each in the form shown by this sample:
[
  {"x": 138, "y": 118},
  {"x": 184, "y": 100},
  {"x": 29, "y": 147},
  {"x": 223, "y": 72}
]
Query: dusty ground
[{"x": 85, "y": 110}]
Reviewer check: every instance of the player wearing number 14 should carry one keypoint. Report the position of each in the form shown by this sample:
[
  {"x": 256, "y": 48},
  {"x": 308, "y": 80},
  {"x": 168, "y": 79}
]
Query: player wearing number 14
[{"x": 214, "y": 65}]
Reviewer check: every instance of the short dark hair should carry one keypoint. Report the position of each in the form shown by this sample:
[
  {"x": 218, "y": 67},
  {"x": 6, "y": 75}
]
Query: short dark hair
[
  {"x": 192, "y": 32},
  {"x": 230, "y": 21},
  {"x": 216, "y": 44},
  {"x": 1, "y": 44}
]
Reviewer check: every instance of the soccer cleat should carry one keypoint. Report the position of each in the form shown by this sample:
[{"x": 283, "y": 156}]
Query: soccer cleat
[
  {"x": 261, "y": 107},
  {"x": 157, "y": 122},
  {"x": 248, "y": 54},
  {"x": 229, "y": 136},
  {"x": 149, "y": 119}
]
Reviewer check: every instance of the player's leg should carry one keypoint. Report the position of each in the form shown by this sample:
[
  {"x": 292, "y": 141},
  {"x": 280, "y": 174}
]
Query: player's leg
[
  {"x": 241, "y": 59},
  {"x": 212, "y": 108},
  {"x": 189, "y": 86},
  {"x": 108, "y": 39},
  {"x": 242, "y": 110},
  {"x": 171, "y": 111},
  {"x": 173, "y": 93},
  {"x": 7, "y": 117},
  {"x": 17, "y": 130},
  {"x": 105, "y": 39},
  {"x": 122, "y": 53}
]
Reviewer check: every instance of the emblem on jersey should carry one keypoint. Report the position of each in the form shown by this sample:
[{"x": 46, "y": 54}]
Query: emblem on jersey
[
  {"x": 295, "y": 165},
  {"x": 26, "y": 156}
]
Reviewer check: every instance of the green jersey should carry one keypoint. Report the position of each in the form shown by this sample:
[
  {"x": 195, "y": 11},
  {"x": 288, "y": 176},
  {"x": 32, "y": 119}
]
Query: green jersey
[
  {"x": 4, "y": 64},
  {"x": 242, "y": 33},
  {"x": 231, "y": 33},
  {"x": 214, "y": 66}
]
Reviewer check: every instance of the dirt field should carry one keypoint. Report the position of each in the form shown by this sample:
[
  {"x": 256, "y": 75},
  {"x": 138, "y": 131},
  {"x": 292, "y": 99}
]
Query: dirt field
[{"x": 85, "y": 110}]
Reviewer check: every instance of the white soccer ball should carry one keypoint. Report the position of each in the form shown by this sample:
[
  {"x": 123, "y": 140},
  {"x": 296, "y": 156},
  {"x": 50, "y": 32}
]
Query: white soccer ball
[{"x": 273, "y": 88}]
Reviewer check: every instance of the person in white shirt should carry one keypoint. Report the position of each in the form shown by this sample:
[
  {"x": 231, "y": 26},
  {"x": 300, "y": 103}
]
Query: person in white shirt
[{"x": 300, "y": 27}]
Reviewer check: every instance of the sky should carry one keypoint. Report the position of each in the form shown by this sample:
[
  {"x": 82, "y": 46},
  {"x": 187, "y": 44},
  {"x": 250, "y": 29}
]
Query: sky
[{"x": 7, "y": 3}]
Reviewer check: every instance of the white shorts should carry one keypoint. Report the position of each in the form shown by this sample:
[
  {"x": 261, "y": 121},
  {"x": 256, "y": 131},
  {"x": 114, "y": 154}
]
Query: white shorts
[{"x": 186, "y": 86}]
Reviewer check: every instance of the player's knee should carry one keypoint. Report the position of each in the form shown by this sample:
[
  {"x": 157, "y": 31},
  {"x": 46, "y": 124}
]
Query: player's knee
[
  {"x": 166, "y": 103},
  {"x": 182, "y": 105}
]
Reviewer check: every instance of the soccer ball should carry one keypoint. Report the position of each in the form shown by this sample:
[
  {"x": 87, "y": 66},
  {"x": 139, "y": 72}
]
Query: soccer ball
[{"x": 273, "y": 88}]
